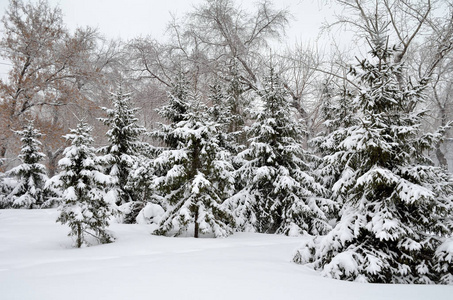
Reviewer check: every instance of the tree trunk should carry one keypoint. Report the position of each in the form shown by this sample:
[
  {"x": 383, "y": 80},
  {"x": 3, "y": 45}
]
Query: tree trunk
[
  {"x": 52, "y": 161},
  {"x": 79, "y": 235},
  {"x": 193, "y": 172},
  {"x": 443, "y": 121},
  {"x": 195, "y": 234},
  {"x": 2, "y": 156},
  {"x": 441, "y": 157}
]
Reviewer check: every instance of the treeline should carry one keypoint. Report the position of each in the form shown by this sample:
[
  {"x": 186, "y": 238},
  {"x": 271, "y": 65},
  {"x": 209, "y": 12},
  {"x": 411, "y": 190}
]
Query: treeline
[{"x": 241, "y": 146}]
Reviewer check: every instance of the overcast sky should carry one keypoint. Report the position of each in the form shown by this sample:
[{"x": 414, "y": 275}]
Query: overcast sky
[
  {"x": 127, "y": 19},
  {"x": 131, "y": 18}
]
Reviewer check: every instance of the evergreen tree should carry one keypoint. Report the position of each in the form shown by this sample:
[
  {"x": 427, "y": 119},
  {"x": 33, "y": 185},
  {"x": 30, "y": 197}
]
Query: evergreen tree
[
  {"x": 123, "y": 152},
  {"x": 237, "y": 104},
  {"x": 31, "y": 175},
  {"x": 178, "y": 105},
  {"x": 338, "y": 113},
  {"x": 336, "y": 110},
  {"x": 396, "y": 206},
  {"x": 278, "y": 192},
  {"x": 194, "y": 175},
  {"x": 140, "y": 181},
  {"x": 141, "y": 178},
  {"x": 174, "y": 111},
  {"x": 5, "y": 190},
  {"x": 84, "y": 206},
  {"x": 221, "y": 113}
]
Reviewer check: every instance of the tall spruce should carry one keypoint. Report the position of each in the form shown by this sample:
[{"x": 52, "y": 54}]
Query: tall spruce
[
  {"x": 30, "y": 175},
  {"x": 338, "y": 113},
  {"x": 238, "y": 105},
  {"x": 84, "y": 206},
  {"x": 174, "y": 111},
  {"x": 396, "y": 214},
  {"x": 220, "y": 113},
  {"x": 279, "y": 194},
  {"x": 121, "y": 155},
  {"x": 194, "y": 173}
]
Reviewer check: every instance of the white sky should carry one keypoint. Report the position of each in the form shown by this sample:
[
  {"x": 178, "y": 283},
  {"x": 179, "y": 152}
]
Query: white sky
[
  {"x": 127, "y": 19},
  {"x": 131, "y": 18}
]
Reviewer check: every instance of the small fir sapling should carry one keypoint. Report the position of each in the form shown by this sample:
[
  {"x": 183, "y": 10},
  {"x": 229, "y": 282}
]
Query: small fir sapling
[
  {"x": 31, "y": 175},
  {"x": 84, "y": 206}
]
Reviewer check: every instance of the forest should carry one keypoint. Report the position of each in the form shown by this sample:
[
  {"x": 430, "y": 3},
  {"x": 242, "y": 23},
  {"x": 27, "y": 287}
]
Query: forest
[{"x": 219, "y": 129}]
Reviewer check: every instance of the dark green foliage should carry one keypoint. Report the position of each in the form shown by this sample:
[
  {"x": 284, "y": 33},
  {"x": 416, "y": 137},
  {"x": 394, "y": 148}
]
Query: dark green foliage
[
  {"x": 84, "y": 206},
  {"x": 193, "y": 174},
  {"x": 122, "y": 154},
  {"x": 278, "y": 193},
  {"x": 30, "y": 175},
  {"x": 396, "y": 214},
  {"x": 175, "y": 110}
]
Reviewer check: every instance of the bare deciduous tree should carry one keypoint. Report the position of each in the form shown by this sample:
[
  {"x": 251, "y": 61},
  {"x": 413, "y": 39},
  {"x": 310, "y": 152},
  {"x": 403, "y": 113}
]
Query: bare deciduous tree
[{"x": 51, "y": 71}]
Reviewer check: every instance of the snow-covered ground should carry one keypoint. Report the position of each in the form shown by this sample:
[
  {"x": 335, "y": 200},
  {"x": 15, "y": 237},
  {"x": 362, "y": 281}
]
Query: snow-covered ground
[{"x": 37, "y": 262}]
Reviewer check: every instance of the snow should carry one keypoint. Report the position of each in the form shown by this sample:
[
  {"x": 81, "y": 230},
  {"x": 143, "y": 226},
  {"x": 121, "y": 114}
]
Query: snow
[
  {"x": 447, "y": 247},
  {"x": 37, "y": 262},
  {"x": 151, "y": 213},
  {"x": 344, "y": 260},
  {"x": 70, "y": 194},
  {"x": 102, "y": 178},
  {"x": 199, "y": 182}
]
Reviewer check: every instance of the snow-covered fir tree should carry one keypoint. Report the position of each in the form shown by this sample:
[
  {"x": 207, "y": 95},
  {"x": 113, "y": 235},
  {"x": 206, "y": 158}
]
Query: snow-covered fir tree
[
  {"x": 174, "y": 111},
  {"x": 193, "y": 174},
  {"x": 140, "y": 181},
  {"x": 6, "y": 186},
  {"x": 220, "y": 113},
  {"x": 338, "y": 113},
  {"x": 84, "y": 206},
  {"x": 396, "y": 215},
  {"x": 336, "y": 110},
  {"x": 279, "y": 194},
  {"x": 219, "y": 110},
  {"x": 123, "y": 152},
  {"x": 141, "y": 178},
  {"x": 178, "y": 103},
  {"x": 238, "y": 105},
  {"x": 31, "y": 175}
]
